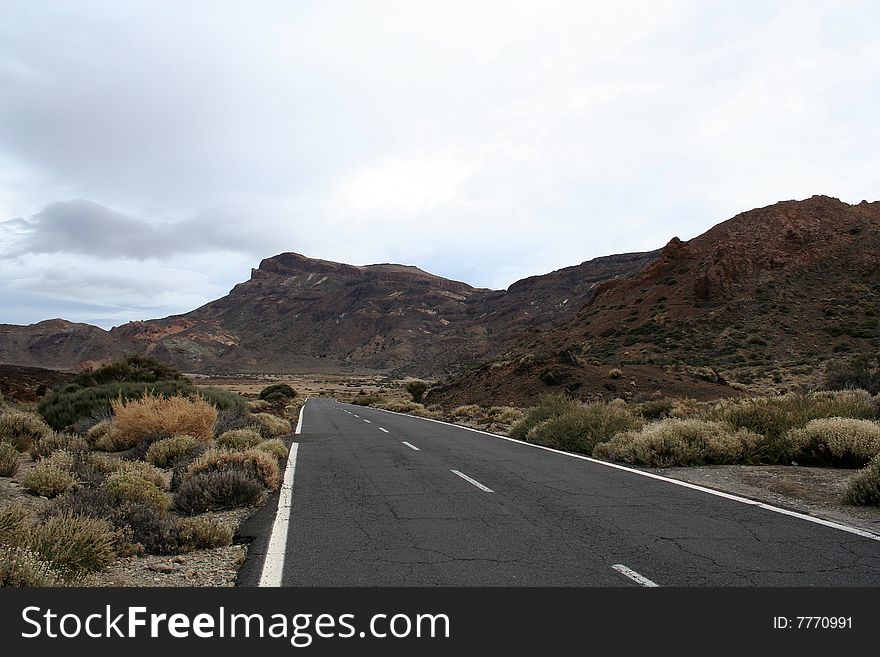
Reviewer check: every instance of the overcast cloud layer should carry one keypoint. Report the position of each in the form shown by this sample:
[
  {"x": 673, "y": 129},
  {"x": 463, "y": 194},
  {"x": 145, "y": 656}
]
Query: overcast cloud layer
[{"x": 152, "y": 152}]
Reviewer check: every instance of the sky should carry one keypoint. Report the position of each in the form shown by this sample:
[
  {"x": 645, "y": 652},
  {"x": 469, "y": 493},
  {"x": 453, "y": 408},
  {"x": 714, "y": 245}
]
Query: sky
[{"x": 152, "y": 153}]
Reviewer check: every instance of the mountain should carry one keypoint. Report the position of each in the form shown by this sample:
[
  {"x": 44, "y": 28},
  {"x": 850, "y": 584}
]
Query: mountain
[
  {"x": 301, "y": 314},
  {"x": 766, "y": 295}
]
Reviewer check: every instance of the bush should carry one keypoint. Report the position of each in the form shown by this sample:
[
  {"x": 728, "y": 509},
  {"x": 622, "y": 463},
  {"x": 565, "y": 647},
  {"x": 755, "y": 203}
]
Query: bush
[
  {"x": 20, "y": 566},
  {"x": 275, "y": 447},
  {"x": 13, "y": 522},
  {"x": 837, "y": 442},
  {"x": 53, "y": 441},
  {"x": 271, "y": 426},
  {"x": 129, "y": 487},
  {"x": 417, "y": 390},
  {"x": 63, "y": 408},
  {"x": 580, "y": 429},
  {"x": 256, "y": 464},
  {"x": 21, "y": 429},
  {"x": 217, "y": 489},
  {"x": 140, "y": 527},
  {"x": 674, "y": 442},
  {"x": 224, "y": 400},
  {"x": 551, "y": 405},
  {"x": 615, "y": 373},
  {"x": 239, "y": 439},
  {"x": 469, "y": 411},
  {"x": 97, "y": 431},
  {"x": 203, "y": 534},
  {"x": 864, "y": 488},
  {"x": 277, "y": 392},
  {"x": 144, "y": 369},
  {"x": 163, "y": 453},
  {"x": 259, "y": 405},
  {"x": 48, "y": 480},
  {"x": 74, "y": 543},
  {"x": 135, "y": 420},
  {"x": 656, "y": 409},
  {"x": 8, "y": 460},
  {"x": 505, "y": 414},
  {"x": 861, "y": 372}
]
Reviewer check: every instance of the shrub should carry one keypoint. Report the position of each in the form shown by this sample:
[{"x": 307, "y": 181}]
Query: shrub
[
  {"x": 239, "y": 439},
  {"x": 53, "y": 441},
  {"x": 271, "y": 426},
  {"x": 74, "y": 543},
  {"x": 98, "y": 431},
  {"x": 841, "y": 442},
  {"x": 128, "y": 487},
  {"x": 224, "y": 400},
  {"x": 134, "y": 368},
  {"x": 20, "y": 566},
  {"x": 674, "y": 442},
  {"x": 21, "y": 429},
  {"x": 417, "y": 390},
  {"x": 163, "y": 453},
  {"x": 615, "y": 373},
  {"x": 505, "y": 414},
  {"x": 580, "y": 429},
  {"x": 550, "y": 405},
  {"x": 8, "y": 460},
  {"x": 275, "y": 447},
  {"x": 13, "y": 522},
  {"x": 48, "y": 480},
  {"x": 63, "y": 408},
  {"x": 860, "y": 372},
  {"x": 217, "y": 489},
  {"x": 259, "y": 405},
  {"x": 203, "y": 534},
  {"x": 145, "y": 471},
  {"x": 656, "y": 409},
  {"x": 468, "y": 411},
  {"x": 139, "y": 418},
  {"x": 140, "y": 527},
  {"x": 864, "y": 488},
  {"x": 256, "y": 464},
  {"x": 277, "y": 392}
]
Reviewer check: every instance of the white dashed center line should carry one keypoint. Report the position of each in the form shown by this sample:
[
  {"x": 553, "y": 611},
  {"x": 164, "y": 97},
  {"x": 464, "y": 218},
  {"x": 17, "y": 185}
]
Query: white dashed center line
[
  {"x": 410, "y": 445},
  {"x": 384, "y": 430},
  {"x": 634, "y": 576},
  {"x": 472, "y": 481}
]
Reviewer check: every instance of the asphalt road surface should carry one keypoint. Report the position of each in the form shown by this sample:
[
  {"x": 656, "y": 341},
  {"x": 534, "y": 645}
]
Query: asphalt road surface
[{"x": 381, "y": 499}]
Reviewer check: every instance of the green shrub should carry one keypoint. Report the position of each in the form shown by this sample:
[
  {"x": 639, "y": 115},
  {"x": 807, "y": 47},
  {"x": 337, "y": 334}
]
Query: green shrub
[
  {"x": 277, "y": 392},
  {"x": 21, "y": 429},
  {"x": 656, "y": 409},
  {"x": 838, "y": 442},
  {"x": 20, "y": 566},
  {"x": 673, "y": 442},
  {"x": 224, "y": 400},
  {"x": 96, "y": 432},
  {"x": 53, "y": 441},
  {"x": 580, "y": 429},
  {"x": 256, "y": 464},
  {"x": 239, "y": 439},
  {"x": 63, "y": 408},
  {"x": 417, "y": 390},
  {"x": 550, "y": 405},
  {"x": 48, "y": 480},
  {"x": 864, "y": 488},
  {"x": 203, "y": 533},
  {"x": 134, "y": 368},
  {"x": 8, "y": 460},
  {"x": 271, "y": 426},
  {"x": 74, "y": 543},
  {"x": 505, "y": 414},
  {"x": 129, "y": 487},
  {"x": 275, "y": 447},
  {"x": 217, "y": 489},
  {"x": 163, "y": 453}
]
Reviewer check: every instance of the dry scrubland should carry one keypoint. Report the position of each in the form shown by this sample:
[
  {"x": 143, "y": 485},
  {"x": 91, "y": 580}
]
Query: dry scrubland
[{"x": 131, "y": 463}]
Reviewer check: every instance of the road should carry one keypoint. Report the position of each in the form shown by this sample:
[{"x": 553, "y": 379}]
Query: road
[{"x": 381, "y": 499}]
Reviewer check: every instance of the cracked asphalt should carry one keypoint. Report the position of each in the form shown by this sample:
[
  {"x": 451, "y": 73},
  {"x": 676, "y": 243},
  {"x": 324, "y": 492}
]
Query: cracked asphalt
[{"x": 368, "y": 510}]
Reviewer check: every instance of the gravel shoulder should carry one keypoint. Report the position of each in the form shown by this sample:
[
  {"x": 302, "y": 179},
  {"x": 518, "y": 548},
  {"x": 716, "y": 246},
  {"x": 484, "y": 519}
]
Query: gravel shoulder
[{"x": 814, "y": 491}]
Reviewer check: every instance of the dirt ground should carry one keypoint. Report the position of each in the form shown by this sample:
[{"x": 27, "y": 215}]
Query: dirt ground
[{"x": 813, "y": 491}]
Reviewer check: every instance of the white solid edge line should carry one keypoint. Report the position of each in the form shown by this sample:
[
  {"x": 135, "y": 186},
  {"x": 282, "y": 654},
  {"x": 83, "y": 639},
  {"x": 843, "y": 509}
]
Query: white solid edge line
[
  {"x": 684, "y": 484},
  {"x": 382, "y": 429},
  {"x": 410, "y": 445},
  {"x": 634, "y": 576},
  {"x": 273, "y": 563},
  {"x": 472, "y": 481}
]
